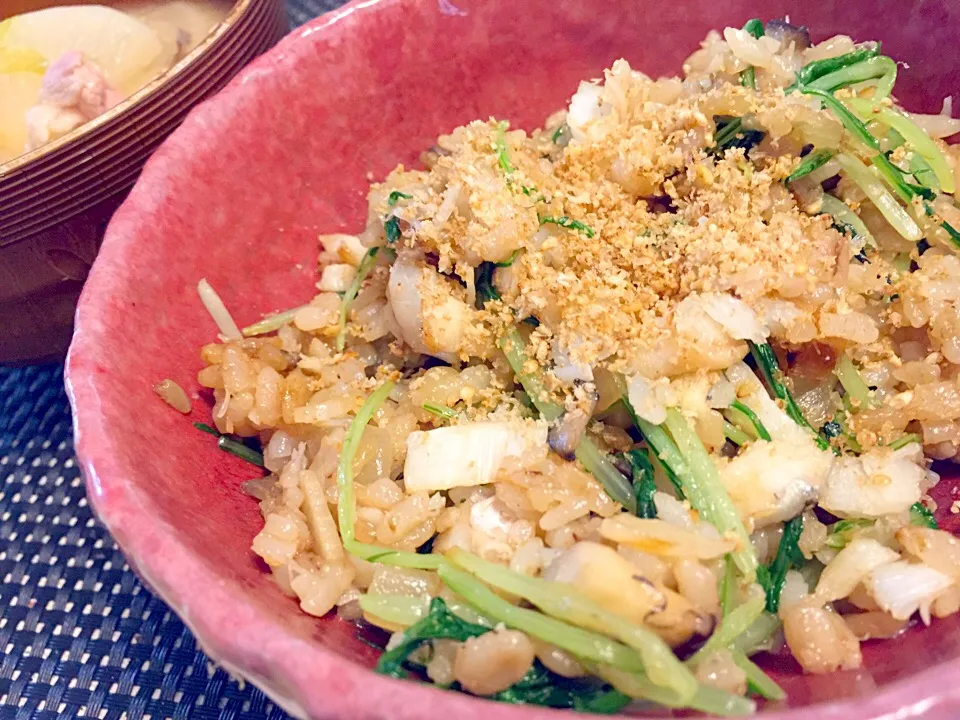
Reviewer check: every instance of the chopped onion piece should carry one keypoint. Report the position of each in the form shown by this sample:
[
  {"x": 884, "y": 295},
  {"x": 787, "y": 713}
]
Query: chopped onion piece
[{"x": 218, "y": 311}]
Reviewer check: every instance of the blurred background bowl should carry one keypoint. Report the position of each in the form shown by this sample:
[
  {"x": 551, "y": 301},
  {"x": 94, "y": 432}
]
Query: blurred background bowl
[{"x": 55, "y": 201}]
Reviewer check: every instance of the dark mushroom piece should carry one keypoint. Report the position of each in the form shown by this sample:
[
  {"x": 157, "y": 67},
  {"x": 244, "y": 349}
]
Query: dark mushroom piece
[
  {"x": 565, "y": 432},
  {"x": 786, "y": 33},
  {"x": 430, "y": 156}
]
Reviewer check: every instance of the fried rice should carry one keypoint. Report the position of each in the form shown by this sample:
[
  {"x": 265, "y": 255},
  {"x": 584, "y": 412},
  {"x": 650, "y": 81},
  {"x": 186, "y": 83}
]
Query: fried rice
[{"x": 591, "y": 415}]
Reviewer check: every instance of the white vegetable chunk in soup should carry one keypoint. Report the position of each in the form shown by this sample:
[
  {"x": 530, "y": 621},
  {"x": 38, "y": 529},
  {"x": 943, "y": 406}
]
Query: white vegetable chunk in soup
[{"x": 63, "y": 65}]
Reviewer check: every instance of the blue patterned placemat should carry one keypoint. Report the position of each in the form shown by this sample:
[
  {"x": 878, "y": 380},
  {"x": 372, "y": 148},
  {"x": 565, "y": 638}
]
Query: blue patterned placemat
[{"x": 80, "y": 636}]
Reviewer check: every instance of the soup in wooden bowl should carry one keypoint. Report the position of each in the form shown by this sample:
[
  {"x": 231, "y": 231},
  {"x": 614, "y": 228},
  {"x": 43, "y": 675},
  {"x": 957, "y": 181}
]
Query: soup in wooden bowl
[{"x": 87, "y": 91}]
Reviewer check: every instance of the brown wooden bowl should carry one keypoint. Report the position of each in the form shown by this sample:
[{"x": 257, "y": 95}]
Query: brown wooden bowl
[{"x": 55, "y": 202}]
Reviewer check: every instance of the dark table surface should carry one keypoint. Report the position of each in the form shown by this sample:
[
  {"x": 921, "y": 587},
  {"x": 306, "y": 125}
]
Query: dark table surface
[{"x": 80, "y": 636}]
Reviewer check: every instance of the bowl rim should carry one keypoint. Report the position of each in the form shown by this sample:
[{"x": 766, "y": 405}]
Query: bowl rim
[
  {"x": 290, "y": 669},
  {"x": 239, "y": 9}
]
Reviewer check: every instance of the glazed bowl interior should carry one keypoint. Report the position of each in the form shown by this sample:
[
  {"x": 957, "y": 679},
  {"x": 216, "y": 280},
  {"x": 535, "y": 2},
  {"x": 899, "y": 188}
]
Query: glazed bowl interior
[{"x": 239, "y": 195}]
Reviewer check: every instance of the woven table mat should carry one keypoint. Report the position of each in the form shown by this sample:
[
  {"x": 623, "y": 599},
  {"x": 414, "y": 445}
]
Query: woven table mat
[{"x": 80, "y": 636}]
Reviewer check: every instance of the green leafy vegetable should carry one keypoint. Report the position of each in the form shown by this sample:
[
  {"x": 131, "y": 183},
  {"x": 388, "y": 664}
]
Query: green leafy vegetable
[
  {"x": 407, "y": 610},
  {"x": 235, "y": 447},
  {"x": 811, "y": 162},
  {"x": 401, "y": 610},
  {"x": 641, "y": 471},
  {"x": 731, "y": 627},
  {"x": 788, "y": 555},
  {"x": 363, "y": 269},
  {"x": 590, "y": 456},
  {"x": 558, "y": 134},
  {"x": 564, "y": 602},
  {"x": 748, "y": 77},
  {"x": 395, "y": 196},
  {"x": 347, "y": 506},
  {"x": 842, "y": 531},
  {"x": 442, "y": 411},
  {"x": 735, "y": 434},
  {"x": 923, "y": 172},
  {"x": 921, "y": 516},
  {"x": 582, "y": 643},
  {"x": 392, "y": 229},
  {"x": 271, "y": 322},
  {"x": 596, "y": 462},
  {"x": 879, "y": 68},
  {"x": 664, "y": 449},
  {"x": 708, "y": 699},
  {"x": 706, "y": 492},
  {"x": 884, "y": 201},
  {"x": 905, "y": 440},
  {"x": 728, "y": 586},
  {"x": 697, "y": 476},
  {"x": 542, "y": 687},
  {"x": 754, "y": 27},
  {"x": 514, "y": 348},
  {"x": 766, "y": 361},
  {"x": 232, "y": 444},
  {"x": 439, "y": 623},
  {"x": 908, "y": 192},
  {"x": 758, "y": 426},
  {"x": 511, "y": 259},
  {"x": 925, "y": 148},
  {"x": 568, "y": 223},
  {"x": 483, "y": 282},
  {"x": 846, "y": 118},
  {"x": 894, "y": 176},
  {"x": 857, "y": 390},
  {"x": 758, "y": 636},
  {"x": 203, "y": 427},
  {"x": 607, "y": 702},
  {"x": 818, "y": 68},
  {"x": 731, "y": 133},
  {"x": 758, "y": 681},
  {"x": 503, "y": 152},
  {"x": 847, "y": 220},
  {"x": 898, "y": 182}
]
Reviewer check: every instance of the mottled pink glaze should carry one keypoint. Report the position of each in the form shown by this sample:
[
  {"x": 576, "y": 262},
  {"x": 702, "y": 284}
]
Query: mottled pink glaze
[{"x": 239, "y": 194}]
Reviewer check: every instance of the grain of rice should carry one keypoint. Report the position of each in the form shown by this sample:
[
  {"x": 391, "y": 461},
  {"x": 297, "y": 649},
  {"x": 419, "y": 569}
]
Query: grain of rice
[
  {"x": 173, "y": 395},
  {"x": 493, "y": 662}
]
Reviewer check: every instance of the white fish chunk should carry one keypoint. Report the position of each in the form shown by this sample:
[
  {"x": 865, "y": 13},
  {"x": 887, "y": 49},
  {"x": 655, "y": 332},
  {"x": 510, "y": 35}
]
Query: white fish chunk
[
  {"x": 431, "y": 319},
  {"x": 770, "y": 482},
  {"x": 879, "y": 482},
  {"x": 902, "y": 588}
]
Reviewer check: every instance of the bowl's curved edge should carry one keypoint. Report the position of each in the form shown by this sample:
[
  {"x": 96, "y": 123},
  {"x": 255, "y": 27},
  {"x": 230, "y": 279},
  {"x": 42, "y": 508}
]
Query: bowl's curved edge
[{"x": 303, "y": 678}]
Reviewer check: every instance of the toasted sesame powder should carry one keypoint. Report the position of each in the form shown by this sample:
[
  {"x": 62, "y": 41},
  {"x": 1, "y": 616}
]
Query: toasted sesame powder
[{"x": 665, "y": 219}]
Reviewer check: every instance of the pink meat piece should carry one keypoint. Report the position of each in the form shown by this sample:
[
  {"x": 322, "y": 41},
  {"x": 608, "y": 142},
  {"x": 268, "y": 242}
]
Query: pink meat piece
[
  {"x": 74, "y": 91},
  {"x": 76, "y": 83}
]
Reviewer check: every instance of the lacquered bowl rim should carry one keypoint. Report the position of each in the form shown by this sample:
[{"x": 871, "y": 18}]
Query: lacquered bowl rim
[{"x": 288, "y": 668}]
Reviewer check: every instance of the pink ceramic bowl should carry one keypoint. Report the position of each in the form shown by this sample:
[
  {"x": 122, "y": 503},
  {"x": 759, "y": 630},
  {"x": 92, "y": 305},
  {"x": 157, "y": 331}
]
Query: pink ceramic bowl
[{"x": 239, "y": 194}]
